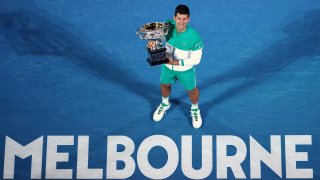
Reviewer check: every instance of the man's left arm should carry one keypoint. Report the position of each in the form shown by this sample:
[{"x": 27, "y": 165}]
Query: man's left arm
[
  {"x": 193, "y": 59},
  {"x": 195, "y": 54}
]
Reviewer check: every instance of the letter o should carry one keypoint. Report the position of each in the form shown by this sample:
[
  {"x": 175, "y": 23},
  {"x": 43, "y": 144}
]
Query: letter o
[{"x": 173, "y": 157}]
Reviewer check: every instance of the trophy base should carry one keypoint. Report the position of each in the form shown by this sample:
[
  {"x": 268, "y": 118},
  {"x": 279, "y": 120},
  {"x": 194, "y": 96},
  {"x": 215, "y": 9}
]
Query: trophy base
[
  {"x": 157, "y": 56},
  {"x": 153, "y": 63}
]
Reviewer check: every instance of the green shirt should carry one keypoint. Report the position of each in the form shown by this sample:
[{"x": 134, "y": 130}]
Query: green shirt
[{"x": 187, "y": 40}]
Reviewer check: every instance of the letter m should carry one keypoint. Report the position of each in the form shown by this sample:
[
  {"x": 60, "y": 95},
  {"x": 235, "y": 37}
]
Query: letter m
[{"x": 13, "y": 149}]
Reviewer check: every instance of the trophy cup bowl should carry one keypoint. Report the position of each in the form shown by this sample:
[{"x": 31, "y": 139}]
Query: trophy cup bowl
[{"x": 155, "y": 31}]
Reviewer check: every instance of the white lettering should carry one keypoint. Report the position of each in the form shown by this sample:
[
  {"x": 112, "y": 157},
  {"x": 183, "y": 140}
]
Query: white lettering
[
  {"x": 234, "y": 162},
  {"x": 125, "y": 156},
  {"x": 292, "y": 156},
  {"x": 173, "y": 157},
  {"x": 186, "y": 158},
  {"x": 33, "y": 149},
  {"x": 53, "y": 157},
  {"x": 83, "y": 172},
  {"x": 231, "y": 152},
  {"x": 258, "y": 154}
]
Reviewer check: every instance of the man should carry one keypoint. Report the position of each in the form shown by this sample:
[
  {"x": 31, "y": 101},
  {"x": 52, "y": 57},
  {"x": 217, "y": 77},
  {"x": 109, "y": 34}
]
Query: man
[{"x": 184, "y": 51}]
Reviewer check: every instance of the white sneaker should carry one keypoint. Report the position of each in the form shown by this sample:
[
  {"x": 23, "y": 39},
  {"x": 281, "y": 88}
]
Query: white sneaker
[
  {"x": 160, "y": 112},
  {"x": 196, "y": 118}
]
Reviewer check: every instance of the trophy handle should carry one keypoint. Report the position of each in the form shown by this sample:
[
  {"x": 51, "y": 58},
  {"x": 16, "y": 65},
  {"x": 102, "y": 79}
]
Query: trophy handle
[
  {"x": 167, "y": 24},
  {"x": 138, "y": 32}
]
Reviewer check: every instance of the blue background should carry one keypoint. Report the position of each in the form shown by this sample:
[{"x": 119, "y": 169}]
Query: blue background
[{"x": 78, "y": 68}]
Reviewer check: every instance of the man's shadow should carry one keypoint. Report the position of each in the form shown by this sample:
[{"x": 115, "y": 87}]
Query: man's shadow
[
  {"x": 29, "y": 33},
  {"x": 302, "y": 41}
]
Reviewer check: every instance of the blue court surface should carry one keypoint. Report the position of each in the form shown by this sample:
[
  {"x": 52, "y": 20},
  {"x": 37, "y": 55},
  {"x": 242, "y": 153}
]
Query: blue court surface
[{"x": 72, "y": 71}]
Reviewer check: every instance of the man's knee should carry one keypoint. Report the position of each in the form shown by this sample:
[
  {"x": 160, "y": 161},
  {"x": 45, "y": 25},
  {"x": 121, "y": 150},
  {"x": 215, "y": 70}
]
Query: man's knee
[
  {"x": 194, "y": 90},
  {"x": 166, "y": 85}
]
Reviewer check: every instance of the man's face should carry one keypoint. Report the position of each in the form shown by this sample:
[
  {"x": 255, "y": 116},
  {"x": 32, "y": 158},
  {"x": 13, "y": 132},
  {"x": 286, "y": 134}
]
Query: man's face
[{"x": 181, "y": 21}]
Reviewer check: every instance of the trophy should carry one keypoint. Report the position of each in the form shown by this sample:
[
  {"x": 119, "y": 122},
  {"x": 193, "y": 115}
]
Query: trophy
[{"x": 155, "y": 31}]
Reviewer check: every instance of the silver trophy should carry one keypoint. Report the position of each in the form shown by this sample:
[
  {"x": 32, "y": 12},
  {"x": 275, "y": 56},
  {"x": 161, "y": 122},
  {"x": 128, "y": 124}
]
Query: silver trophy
[{"x": 155, "y": 31}]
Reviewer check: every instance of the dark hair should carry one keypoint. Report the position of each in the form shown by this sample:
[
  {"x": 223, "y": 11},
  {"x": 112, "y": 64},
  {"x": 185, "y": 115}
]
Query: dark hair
[{"x": 182, "y": 9}]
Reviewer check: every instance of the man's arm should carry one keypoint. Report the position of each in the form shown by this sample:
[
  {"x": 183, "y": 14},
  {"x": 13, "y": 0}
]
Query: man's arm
[{"x": 192, "y": 60}]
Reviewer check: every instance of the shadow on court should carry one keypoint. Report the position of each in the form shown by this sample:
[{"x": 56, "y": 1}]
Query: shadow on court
[
  {"x": 29, "y": 33},
  {"x": 303, "y": 40}
]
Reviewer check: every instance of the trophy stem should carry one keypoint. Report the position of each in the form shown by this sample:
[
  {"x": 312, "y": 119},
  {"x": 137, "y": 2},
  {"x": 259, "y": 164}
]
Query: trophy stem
[{"x": 159, "y": 43}]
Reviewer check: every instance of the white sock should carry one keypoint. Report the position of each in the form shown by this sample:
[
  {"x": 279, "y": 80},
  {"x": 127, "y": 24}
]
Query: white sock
[
  {"x": 165, "y": 100},
  {"x": 195, "y": 106}
]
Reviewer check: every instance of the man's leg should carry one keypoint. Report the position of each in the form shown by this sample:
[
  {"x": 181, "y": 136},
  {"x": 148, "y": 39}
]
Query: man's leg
[
  {"x": 167, "y": 77},
  {"x": 195, "y": 111},
  {"x": 188, "y": 80},
  {"x": 165, "y": 90},
  {"x": 194, "y": 95}
]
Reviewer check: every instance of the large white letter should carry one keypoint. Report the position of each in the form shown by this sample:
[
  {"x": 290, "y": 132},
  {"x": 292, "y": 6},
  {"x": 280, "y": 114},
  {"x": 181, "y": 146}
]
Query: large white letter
[
  {"x": 173, "y": 157},
  {"x": 83, "y": 172},
  {"x": 125, "y": 156},
  {"x": 33, "y": 149},
  {"x": 234, "y": 162},
  {"x": 292, "y": 156},
  {"x": 53, "y": 157},
  {"x": 258, "y": 154},
  {"x": 186, "y": 158}
]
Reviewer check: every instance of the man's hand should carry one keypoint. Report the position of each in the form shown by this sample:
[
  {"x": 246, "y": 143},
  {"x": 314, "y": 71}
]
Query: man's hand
[{"x": 172, "y": 62}]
